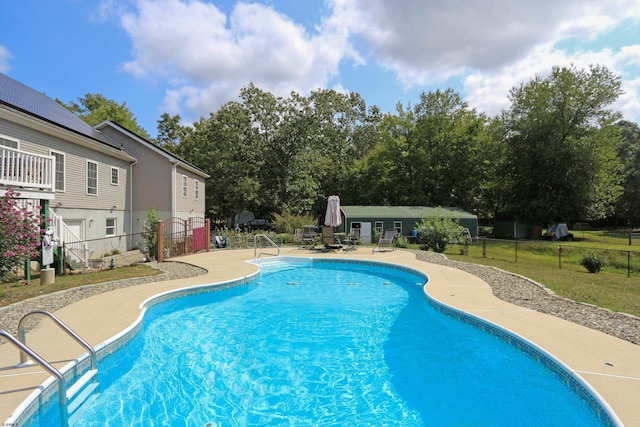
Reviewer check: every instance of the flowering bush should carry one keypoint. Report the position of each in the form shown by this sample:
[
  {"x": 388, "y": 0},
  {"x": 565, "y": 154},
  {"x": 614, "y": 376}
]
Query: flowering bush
[{"x": 19, "y": 233}]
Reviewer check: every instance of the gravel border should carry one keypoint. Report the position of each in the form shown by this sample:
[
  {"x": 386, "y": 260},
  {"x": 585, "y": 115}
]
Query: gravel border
[{"x": 506, "y": 286}]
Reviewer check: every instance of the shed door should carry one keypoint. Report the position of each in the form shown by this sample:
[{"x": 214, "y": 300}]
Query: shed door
[{"x": 365, "y": 232}]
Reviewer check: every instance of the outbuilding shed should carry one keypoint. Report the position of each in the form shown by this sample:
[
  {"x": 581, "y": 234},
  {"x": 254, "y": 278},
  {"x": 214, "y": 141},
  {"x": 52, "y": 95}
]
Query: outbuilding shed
[{"x": 372, "y": 219}]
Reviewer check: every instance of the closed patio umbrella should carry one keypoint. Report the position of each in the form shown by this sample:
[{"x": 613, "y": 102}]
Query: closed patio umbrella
[{"x": 333, "y": 218}]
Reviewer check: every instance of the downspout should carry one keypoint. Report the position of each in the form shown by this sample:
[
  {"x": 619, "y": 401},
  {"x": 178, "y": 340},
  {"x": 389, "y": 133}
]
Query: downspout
[
  {"x": 173, "y": 188},
  {"x": 130, "y": 180}
]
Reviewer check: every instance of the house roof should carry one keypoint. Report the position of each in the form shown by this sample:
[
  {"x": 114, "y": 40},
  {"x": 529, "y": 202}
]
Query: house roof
[
  {"x": 165, "y": 153},
  {"x": 36, "y": 104},
  {"x": 398, "y": 212}
]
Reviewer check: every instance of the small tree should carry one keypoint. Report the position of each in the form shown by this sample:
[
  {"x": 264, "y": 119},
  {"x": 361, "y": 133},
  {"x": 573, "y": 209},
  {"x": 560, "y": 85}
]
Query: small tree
[
  {"x": 437, "y": 232},
  {"x": 150, "y": 233},
  {"x": 19, "y": 234}
]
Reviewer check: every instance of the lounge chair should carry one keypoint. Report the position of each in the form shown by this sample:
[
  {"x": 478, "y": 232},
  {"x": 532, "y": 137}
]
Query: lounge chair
[
  {"x": 309, "y": 236},
  {"x": 329, "y": 239},
  {"x": 389, "y": 239}
]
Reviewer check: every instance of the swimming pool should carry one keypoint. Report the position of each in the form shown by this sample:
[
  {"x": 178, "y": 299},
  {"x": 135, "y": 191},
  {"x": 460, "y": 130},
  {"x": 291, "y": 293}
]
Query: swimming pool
[{"x": 326, "y": 342}]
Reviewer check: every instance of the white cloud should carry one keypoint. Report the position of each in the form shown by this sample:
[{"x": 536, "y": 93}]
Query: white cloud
[
  {"x": 5, "y": 56},
  {"x": 205, "y": 56},
  {"x": 423, "y": 41},
  {"x": 488, "y": 91},
  {"x": 209, "y": 56}
]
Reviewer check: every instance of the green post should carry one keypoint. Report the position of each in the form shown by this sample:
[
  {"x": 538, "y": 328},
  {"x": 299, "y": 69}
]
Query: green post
[
  {"x": 44, "y": 212},
  {"x": 560, "y": 257}
]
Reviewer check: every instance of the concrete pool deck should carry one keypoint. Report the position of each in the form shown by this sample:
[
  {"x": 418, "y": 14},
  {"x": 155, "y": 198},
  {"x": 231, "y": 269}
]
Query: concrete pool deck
[{"x": 610, "y": 365}]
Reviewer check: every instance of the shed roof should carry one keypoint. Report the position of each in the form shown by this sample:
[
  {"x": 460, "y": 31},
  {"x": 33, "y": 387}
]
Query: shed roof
[{"x": 397, "y": 212}]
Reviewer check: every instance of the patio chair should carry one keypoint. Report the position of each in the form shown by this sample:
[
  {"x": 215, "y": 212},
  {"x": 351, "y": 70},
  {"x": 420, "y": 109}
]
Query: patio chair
[
  {"x": 309, "y": 236},
  {"x": 353, "y": 238},
  {"x": 389, "y": 239},
  {"x": 297, "y": 236}
]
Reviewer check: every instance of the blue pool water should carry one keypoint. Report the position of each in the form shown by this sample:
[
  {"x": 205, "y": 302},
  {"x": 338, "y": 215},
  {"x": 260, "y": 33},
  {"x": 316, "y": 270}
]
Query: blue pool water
[{"x": 327, "y": 343}]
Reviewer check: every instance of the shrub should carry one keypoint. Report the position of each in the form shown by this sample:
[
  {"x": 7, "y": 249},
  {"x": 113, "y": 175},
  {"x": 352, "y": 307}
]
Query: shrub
[
  {"x": 287, "y": 222},
  {"x": 437, "y": 232},
  {"x": 592, "y": 262},
  {"x": 402, "y": 242},
  {"x": 150, "y": 233}
]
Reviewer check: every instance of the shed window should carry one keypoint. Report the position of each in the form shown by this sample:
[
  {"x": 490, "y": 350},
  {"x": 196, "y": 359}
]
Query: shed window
[
  {"x": 379, "y": 227},
  {"x": 397, "y": 225}
]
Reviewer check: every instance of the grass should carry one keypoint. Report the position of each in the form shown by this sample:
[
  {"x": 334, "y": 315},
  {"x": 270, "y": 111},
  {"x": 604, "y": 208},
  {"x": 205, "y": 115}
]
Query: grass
[
  {"x": 11, "y": 292},
  {"x": 556, "y": 265}
]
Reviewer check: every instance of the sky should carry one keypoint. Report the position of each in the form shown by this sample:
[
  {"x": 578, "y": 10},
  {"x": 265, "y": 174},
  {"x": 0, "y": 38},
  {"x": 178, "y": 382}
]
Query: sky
[{"x": 189, "y": 57}]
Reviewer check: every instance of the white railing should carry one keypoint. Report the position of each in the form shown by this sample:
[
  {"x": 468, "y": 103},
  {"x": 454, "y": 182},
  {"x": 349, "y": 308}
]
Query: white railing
[
  {"x": 75, "y": 248},
  {"x": 22, "y": 169}
]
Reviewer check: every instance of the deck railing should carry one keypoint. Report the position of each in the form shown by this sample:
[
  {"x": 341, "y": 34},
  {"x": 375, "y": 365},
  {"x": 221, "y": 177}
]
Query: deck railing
[{"x": 26, "y": 170}]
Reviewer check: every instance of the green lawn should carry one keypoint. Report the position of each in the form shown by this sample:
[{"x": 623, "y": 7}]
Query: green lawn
[
  {"x": 557, "y": 266},
  {"x": 17, "y": 291}
]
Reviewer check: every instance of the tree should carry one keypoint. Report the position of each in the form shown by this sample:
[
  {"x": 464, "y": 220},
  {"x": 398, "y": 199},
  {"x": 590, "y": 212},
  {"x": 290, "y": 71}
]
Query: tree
[
  {"x": 561, "y": 146},
  {"x": 95, "y": 108},
  {"x": 426, "y": 155},
  {"x": 19, "y": 233},
  {"x": 628, "y": 207},
  {"x": 170, "y": 132},
  {"x": 224, "y": 145}
]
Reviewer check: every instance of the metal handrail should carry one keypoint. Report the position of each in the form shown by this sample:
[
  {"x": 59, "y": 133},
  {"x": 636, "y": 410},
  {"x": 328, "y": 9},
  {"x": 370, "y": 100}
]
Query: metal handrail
[
  {"x": 271, "y": 242},
  {"x": 62, "y": 384},
  {"x": 67, "y": 329}
]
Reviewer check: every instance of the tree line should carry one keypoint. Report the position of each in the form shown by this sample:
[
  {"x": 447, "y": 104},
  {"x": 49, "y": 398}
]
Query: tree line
[{"x": 559, "y": 152}]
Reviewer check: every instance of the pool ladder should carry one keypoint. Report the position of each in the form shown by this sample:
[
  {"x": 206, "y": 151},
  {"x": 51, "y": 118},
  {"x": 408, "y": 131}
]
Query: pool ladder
[
  {"x": 69, "y": 399},
  {"x": 271, "y": 243}
]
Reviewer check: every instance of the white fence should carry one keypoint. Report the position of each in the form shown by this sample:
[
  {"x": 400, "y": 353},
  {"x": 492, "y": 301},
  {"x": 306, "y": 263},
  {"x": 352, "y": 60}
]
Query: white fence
[{"x": 22, "y": 169}]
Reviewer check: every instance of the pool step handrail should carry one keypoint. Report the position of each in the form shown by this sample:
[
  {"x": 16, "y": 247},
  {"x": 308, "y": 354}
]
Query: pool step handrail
[
  {"x": 64, "y": 327},
  {"x": 62, "y": 383},
  {"x": 271, "y": 243},
  {"x": 70, "y": 399}
]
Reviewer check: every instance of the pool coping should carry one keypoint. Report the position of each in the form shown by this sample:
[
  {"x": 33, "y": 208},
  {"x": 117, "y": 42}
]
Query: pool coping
[{"x": 581, "y": 349}]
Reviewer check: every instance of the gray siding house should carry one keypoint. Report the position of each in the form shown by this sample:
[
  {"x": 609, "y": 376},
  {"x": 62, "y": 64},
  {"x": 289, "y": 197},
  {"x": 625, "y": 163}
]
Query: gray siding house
[
  {"x": 160, "y": 180},
  {"x": 96, "y": 184}
]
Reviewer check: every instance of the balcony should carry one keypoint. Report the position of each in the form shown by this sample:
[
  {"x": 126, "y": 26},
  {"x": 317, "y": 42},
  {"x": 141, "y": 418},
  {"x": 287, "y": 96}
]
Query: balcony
[{"x": 24, "y": 171}]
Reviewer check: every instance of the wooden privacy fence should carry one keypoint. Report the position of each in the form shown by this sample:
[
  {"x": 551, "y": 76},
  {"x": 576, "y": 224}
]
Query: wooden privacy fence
[{"x": 177, "y": 236}]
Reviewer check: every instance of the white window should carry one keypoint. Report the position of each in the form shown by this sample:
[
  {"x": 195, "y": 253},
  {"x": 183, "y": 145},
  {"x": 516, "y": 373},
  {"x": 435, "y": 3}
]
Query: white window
[
  {"x": 397, "y": 225},
  {"x": 379, "y": 227},
  {"x": 115, "y": 176},
  {"x": 59, "y": 170},
  {"x": 184, "y": 186},
  {"x": 111, "y": 227},
  {"x": 92, "y": 178},
  {"x": 196, "y": 189},
  {"x": 8, "y": 142}
]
